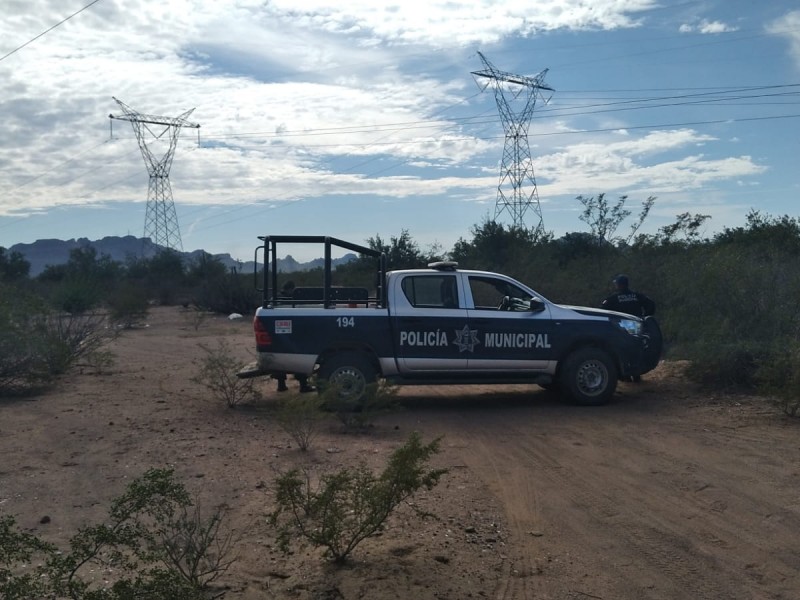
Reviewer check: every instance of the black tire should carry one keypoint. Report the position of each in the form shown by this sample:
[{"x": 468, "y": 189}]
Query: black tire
[
  {"x": 349, "y": 373},
  {"x": 588, "y": 377}
]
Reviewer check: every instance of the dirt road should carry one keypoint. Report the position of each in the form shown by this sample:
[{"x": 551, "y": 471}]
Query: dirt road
[{"x": 667, "y": 493}]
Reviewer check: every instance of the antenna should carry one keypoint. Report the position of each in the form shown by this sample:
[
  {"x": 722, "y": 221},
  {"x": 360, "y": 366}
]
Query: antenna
[
  {"x": 160, "y": 220},
  {"x": 516, "y": 191}
]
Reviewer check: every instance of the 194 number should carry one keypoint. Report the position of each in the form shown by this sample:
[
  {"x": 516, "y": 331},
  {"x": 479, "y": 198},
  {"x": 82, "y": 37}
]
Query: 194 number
[{"x": 346, "y": 321}]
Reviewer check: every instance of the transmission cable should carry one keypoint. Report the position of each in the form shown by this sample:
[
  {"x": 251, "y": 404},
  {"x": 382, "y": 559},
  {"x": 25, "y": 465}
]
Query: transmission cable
[{"x": 30, "y": 41}]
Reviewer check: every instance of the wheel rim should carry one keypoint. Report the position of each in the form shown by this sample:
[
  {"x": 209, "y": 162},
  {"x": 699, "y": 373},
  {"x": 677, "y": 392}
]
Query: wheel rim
[
  {"x": 592, "y": 378},
  {"x": 349, "y": 382}
]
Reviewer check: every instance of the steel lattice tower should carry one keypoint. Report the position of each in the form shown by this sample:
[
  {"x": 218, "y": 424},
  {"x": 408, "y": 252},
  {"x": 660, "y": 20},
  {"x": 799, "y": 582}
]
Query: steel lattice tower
[
  {"x": 160, "y": 220},
  {"x": 516, "y": 97}
]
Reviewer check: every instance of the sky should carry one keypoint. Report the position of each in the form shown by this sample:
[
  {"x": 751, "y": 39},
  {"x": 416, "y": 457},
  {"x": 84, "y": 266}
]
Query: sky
[{"x": 357, "y": 118}]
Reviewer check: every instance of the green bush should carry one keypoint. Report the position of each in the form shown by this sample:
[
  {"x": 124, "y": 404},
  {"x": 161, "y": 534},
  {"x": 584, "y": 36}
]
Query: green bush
[
  {"x": 778, "y": 375},
  {"x": 725, "y": 366},
  {"x": 152, "y": 544},
  {"x": 128, "y": 305},
  {"x": 352, "y": 504}
]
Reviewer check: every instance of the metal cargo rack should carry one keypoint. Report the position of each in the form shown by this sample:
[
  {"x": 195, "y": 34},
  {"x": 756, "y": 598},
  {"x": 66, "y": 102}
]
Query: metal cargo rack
[{"x": 328, "y": 295}]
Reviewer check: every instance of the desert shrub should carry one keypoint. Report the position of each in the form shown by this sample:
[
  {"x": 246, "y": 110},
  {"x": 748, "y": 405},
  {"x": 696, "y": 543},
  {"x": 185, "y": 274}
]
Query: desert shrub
[
  {"x": 195, "y": 546},
  {"x": 217, "y": 372},
  {"x": 37, "y": 343},
  {"x": 100, "y": 361},
  {"x": 352, "y": 504},
  {"x": 21, "y": 365},
  {"x": 299, "y": 415},
  {"x": 65, "y": 338},
  {"x": 778, "y": 376},
  {"x": 155, "y": 545},
  {"x": 358, "y": 414},
  {"x": 76, "y": 295},
  {"x": 725, "y": 366},
  {"x": 195, "y": 316},
  {"x": 128, "y": 305},
  {"x": 17, "y": 550}
]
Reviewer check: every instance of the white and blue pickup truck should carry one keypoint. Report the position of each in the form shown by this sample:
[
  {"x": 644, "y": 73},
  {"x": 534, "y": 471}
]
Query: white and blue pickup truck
[{"x": 442, "y": 325}]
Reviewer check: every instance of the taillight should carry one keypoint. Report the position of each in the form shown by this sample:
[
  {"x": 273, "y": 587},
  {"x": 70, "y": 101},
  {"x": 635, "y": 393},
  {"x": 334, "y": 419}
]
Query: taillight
[{"x": 263, "y": 338}]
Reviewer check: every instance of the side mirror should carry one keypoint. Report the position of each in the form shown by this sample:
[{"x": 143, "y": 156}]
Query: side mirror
[{"x": 537, "y": 305}]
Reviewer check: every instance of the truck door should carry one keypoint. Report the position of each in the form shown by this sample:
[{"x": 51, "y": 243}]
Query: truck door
[
  {"x": 511, "y": 336},
  {"x": 428, "y": 316}
]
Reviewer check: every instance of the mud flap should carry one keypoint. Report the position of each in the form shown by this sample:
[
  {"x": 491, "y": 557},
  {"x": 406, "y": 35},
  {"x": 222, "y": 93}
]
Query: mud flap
[{"x": 655, "y": 341}]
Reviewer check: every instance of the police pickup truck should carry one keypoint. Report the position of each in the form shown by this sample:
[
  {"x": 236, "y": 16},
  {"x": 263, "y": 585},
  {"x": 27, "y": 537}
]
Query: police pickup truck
[{"x": 442, "y": 325}]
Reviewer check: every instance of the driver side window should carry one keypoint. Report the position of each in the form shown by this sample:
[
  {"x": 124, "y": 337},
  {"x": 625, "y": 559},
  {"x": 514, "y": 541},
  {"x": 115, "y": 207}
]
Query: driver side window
[{"x": 488, "y": 293}]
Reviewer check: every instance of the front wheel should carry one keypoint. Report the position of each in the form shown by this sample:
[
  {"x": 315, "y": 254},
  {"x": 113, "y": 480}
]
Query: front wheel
[
  {"x": 348, "y": 374},
  {"x": 589, "y": 377}
]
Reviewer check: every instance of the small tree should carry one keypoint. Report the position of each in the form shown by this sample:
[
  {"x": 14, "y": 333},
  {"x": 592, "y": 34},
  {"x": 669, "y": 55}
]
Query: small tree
[
  {"x": 352, "y": 504},
  {"x": 13, "y": 266},
  {"x": 604, "y": 219}
]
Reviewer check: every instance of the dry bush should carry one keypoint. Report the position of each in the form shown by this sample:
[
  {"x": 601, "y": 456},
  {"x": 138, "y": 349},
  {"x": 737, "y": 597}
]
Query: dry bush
[
  {"x": 217, "y": 372},
  {"x": 299, "y": 415}
]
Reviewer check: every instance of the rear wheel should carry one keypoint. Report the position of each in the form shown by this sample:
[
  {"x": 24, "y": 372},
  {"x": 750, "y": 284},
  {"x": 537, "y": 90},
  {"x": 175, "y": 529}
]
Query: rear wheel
[
  {"x": 589, "y": 377},
  {"x": 349, "y": 374}
]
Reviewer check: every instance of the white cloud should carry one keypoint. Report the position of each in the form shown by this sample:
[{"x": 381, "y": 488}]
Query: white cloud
[
  {"x": 445, "y": 23},
  {"x": 788, "y": 27},
  {"x": 318, "y": 98},
  {"x": 705, "y": 26},
  {"x": 622, "y": 165}
]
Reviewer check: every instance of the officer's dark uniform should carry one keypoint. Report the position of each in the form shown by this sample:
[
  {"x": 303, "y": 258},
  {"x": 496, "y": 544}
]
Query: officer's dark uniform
[{"x": 627, "y": 301}]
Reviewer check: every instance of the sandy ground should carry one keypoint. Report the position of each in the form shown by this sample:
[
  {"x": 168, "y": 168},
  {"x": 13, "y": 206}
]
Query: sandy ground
[{"x": 665, "y": 493}]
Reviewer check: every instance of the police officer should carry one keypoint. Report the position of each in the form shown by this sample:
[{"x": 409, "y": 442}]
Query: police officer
[{"x": 627, "y": 301}]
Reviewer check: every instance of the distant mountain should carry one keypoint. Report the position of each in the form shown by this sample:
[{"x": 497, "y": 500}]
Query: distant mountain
[{"x": 42, "y": 253}]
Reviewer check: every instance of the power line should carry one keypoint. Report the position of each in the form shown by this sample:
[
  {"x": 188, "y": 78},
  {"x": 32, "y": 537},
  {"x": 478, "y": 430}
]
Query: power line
[
  {"x": 474, "y": 120},
  {"x": 576, "y": 132},
  {"x": 406, "y": 125},
  {"x": 30, "y": 41},
  {"x": 469, "y": 120}
]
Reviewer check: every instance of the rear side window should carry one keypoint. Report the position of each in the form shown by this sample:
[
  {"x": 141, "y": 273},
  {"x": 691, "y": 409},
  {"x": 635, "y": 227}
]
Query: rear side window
[{"x": 431, "y": 291}]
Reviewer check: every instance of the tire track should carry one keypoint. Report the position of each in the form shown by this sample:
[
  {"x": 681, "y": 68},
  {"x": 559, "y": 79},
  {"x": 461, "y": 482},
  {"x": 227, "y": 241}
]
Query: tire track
[{"x": 640, "y": 508}]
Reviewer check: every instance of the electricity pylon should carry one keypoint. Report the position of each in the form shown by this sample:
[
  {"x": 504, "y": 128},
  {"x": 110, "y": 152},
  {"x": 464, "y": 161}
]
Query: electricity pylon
[
  {"x": 516, "y": 97},
  {"x": 160, "y": 219}
]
